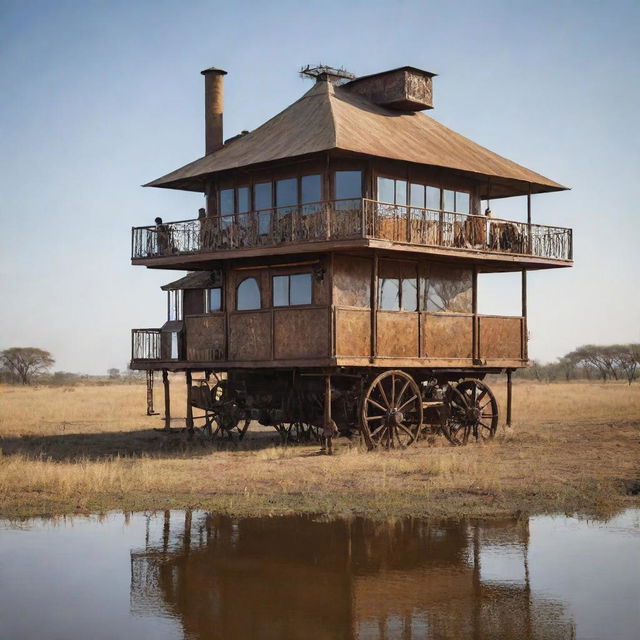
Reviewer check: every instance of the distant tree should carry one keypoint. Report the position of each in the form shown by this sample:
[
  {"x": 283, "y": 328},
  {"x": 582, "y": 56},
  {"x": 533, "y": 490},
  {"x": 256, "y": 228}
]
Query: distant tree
[
  {"x": 627, "y": 359},
  {"x": 114, "y": 374},
  {"x": 26, "y": 362}
]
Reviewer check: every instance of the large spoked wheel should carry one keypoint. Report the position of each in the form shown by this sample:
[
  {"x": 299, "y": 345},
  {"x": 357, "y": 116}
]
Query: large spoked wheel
[
  {"x": 456, "y": 427},
  {"x": 391, "y": 413},
  {"x": 482, "y": 407}
]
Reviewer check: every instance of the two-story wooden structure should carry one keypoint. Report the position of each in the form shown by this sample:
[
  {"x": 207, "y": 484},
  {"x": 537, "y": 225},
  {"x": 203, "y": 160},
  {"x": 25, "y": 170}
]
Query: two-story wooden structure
[{"x": 333, "y": 273}]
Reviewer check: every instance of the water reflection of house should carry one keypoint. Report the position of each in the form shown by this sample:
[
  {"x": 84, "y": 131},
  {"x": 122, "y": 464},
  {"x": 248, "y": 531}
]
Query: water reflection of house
[{"x": 303, "y": 577}]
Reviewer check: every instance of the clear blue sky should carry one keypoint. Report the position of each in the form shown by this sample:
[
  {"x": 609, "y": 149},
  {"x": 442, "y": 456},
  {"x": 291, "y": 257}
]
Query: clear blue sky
[{"x": 99, "y": 97}]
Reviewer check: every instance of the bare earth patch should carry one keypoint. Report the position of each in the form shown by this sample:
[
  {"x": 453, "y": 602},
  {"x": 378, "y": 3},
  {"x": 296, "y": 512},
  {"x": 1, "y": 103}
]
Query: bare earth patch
[{"x": 574, "y": 447}]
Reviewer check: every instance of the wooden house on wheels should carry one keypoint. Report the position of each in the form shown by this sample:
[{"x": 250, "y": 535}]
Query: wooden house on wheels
[{"x": 333, "y": 277}]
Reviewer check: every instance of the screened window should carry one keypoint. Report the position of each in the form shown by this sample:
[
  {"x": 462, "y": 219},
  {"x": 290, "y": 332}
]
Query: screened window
[
  {"x": 447, "y": 289},
  {"x": 398, "y": 284},
  {"x": 348, "y": 187},
  {"x": 175, "y": 305},
  {"x": 214, "y": 300},
  {"x": 455, "y": 201},
  {"x": 262, "y": 198},
  {"x": 292, "y": 290},
  {"x": 424, "y": 196},
  {"x": 286, "y": 195},
  {"x": 248, "y": 295},
  {"x": 393, "y": 192},
  {"x": 243, "y": 205}
]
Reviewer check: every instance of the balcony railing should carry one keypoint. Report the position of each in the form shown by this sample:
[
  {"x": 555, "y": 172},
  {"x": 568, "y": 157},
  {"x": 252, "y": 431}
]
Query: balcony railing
[
  {"x": 145, "y": 344},
  {"x": 351, "y": 219}
]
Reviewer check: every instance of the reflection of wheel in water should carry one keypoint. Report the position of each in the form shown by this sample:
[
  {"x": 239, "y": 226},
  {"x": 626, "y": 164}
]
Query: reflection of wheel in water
[
  {"x": 483, "y": 408},
  {"x": 455, "y": 427},
  {"x": 391, "y": 412}
]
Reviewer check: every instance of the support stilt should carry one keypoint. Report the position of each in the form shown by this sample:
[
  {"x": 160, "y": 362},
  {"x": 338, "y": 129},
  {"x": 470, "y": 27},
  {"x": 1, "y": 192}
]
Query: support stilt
[
  {"x": 189, "y": 405},
  {"x": 329, "y": 426},
  {"x": 150, "y": 411},
  {"x": 167, "y": 400},
  {"x": 509, "y": 394}
]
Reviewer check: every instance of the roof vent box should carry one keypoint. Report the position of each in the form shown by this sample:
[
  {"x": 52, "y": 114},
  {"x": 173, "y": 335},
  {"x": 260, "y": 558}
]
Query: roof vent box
[{"x": 405, "y": 89}]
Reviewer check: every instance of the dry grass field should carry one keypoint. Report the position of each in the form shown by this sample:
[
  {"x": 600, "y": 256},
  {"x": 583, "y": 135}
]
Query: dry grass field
[{"x": 574, "y": 447}]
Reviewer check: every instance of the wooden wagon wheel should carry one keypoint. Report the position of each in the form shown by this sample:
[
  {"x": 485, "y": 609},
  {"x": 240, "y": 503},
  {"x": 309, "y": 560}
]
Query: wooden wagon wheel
[
  {"x": 483, "y": 408},
  {"x": 391, "y": 412},
  {"x": 456, "y": 427}
]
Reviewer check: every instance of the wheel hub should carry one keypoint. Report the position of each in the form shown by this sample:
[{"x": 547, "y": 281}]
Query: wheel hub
[{"x": 394, "y": 417}]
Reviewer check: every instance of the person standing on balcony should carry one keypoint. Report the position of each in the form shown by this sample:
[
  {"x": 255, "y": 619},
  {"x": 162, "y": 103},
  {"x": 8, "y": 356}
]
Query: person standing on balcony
[
  {"x": 162, "y": 237},
  {"x": 204, "y": 228}
]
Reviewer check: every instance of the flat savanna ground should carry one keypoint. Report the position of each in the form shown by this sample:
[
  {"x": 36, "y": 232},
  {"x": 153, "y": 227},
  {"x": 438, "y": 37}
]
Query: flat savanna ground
[{"x": 574, "y": 447}]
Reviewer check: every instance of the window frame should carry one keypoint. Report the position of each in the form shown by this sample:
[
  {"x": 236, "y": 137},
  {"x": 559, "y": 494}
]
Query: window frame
[
  {"x": 237, "y": 290},
  {"x": 289, "y": 276},
  {"x": 175, "y": 303},
  {"x": 207, "y": 300}
]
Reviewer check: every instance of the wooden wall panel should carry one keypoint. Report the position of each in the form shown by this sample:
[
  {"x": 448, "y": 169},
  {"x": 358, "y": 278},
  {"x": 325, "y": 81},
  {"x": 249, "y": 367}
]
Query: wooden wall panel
[
  {"x": 250, "y": 335},
  {"x": 205, "y": 337},
  {"x": 500, "y": 338},
  {"x": 353, "y": 332},
  {"x": 397, "y": 334},
  {"x": 447, "y": 336},
  {"x": 351, "y": 281},
  {"x": 301, "y": 333}
]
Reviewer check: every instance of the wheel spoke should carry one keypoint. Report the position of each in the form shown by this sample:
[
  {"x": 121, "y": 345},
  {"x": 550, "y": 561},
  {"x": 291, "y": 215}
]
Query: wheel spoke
[
  {"x": 411, "y": 399},
  {"x": 375, "y": 431},
  {"x": 393, "y": 390},
  {"x": 406, "y": 384},
  {"x": 383, "y": 394},
  {"x": 408, "y": 432},
  {"x": 375, "y": 404},
  {"x": 369, "y": 418}
]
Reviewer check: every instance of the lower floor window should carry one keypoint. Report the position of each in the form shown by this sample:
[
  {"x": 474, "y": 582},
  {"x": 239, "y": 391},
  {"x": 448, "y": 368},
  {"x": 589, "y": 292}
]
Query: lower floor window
[
  {"x": 214, "y": 300},
  {"x": 174, "y": 345},
  {"x": 292, "y": 290}
]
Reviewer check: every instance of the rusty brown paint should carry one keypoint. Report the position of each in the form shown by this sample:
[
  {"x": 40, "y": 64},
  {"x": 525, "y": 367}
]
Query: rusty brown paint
[
  {"x": 351, "y": 281},
  {"x": 353, "y": 332},
  {"x": 397, "y": 334},
  {"x": 447, "y": 336},
  {"x": 250, "y": 336},
  {"x": 301, "y": 333},
  {"x": 500, "y": 338},
  {"x": 205, "y": 337}
]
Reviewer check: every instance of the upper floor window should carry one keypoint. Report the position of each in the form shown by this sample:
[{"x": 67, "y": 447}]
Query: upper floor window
[
  {"x": 213, "y": 300},
  {"x": 286, "y": 195},
  {"x": 248, "y": 295},
  {"x": 347, "y": 187},
  {"x": 436, "y": 199},
  {"x": 263, "y": 202},
  {"x": 455, "y": 201},
  {"x": 291, "y": 290},
  {"x": 174, "y": 305},
  {"x": 310, "y": 193},
  {"x": 448, "y": 289}
]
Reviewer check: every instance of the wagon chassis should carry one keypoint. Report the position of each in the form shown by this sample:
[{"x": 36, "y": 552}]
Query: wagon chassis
[{"x": 386, "y": 409}]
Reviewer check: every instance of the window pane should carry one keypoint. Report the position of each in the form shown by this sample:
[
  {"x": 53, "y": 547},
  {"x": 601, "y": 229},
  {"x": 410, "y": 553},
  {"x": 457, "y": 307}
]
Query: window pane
[
  {"x": 262, "y": 201},
  {"x": 390, "y": 294},
  {"x": 462, "y": 202},
  {"x": 448, "y": 289},
  {"x": 348, "y": 184},
  {"x": 301, "y": 289},
  {"x": 174, "y": 345},
  {"x": 248, "y": 295},
  {"x": 175, "y": 305},
  {"x": 226, "y": 201},
  {"x": 416, "y": 195},
  {"x": 449, "y": 197},
  {"x": 433, "y": 198},
  {"x": 280, "y": 291},
  {"x": 409, "y": 294},
  {"x": 286, "y": 192},
  {"x": 311, "y": 188},
  {"x": 401, "y": 192},
  {"x": 243, "y": 200},
  {"x": 386, "y": 191},
  {"x": 215, "y": 300},
  {"x": 262, "y": 195}
]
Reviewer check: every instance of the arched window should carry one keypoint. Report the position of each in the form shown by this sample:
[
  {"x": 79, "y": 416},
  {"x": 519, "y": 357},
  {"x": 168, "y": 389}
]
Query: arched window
[{"x": 248, "y": 295}]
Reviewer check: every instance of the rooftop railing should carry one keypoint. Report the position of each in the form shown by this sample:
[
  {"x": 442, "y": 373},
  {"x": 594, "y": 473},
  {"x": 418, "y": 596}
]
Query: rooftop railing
[{"x": 351, "y": 219}]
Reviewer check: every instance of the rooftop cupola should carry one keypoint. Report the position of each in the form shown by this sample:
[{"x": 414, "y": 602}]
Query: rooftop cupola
[{"x": 404, "y": 89}]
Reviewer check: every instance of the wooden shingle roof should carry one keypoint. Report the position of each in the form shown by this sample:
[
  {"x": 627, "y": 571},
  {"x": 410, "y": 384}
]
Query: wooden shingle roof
[{"x": 330, "y": 117}]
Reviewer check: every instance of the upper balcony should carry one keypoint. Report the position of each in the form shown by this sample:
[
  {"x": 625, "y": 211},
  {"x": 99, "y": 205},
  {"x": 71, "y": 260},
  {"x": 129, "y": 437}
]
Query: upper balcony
[{"x": 353, "y": 223}]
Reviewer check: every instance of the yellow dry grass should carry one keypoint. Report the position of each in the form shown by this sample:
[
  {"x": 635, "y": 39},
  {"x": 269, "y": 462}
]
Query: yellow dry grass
[{"x": 574, "y": 447}]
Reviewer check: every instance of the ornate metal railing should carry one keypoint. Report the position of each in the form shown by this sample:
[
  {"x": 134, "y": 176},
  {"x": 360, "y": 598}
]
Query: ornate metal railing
[
  {"x": 145, "y": 344},
  {"x": 346, "y": 219}
]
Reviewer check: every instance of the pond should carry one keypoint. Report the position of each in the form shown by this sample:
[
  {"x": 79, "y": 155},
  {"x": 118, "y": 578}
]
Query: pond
[{"x": 200, "y": 575}]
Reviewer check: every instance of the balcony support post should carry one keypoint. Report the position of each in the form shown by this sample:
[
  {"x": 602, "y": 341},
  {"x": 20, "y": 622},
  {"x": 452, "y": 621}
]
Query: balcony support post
[
  {"x": 509, "y": 396},
  {"x": 529, "y": 239},
  {"x": 167, "y": 400},
  {"x": 187, "y": 375},
  {"x": 525, "y": 341}
]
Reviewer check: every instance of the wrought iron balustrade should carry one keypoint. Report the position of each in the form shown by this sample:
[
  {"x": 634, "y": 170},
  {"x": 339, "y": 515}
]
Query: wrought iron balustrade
[
  {"x": 145, "y": 344},
  {"x": 359, "y": 218}
]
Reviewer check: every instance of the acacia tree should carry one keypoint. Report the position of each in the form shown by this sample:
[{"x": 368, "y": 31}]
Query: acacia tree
[{"x": 26, "y": 362}]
